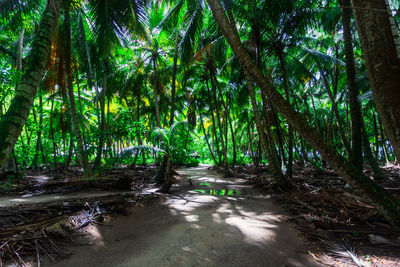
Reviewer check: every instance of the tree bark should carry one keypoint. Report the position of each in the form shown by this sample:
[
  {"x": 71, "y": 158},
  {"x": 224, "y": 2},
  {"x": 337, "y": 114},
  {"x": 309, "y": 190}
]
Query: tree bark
[
  {"x": 13, "y": 121},
  {"x": 102, "y": 124},
  {"x": 155, "y": 90},
  {"x": 52, "y": 135},
  {"x": 70, "y": 78},
  {"x": 289, "y": 171},
  {"x": 355, "y": 107},
  {"x": 173, "y": 85},
  {"x": 272, "y": 158},
  {"x": 20, "y": 47},
  {"x": 221, "y": 130},
  {"x": 385, "y": 202},
  {"x": 213, "y": 125},
  {"x": 205, "y": 135},
  {"x": 380, "y": 44}
]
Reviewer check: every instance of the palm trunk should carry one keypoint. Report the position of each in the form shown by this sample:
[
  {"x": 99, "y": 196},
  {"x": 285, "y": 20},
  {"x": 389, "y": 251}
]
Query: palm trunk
[
  {"x": 20, "y": 47},
  {"x": 385, "y": 202},
  {"x": 273, "y": 161},
  {"x": 335, "y": 110},
  {"x": 140, "y": 141},
  {"x": 13, "y": 121},
  {"x": 205, "y": 136},
  {"x": 221, "y": 130},
  {"x": 214, "y": 126},
  {"x": 81, "y": 111},
  {"x": 102, "y": 124},
  {"x": 155, "y": 90},
  {"x": 289, "y": 171},
  {"x": 68, "y": 69},
  {"x": 171, "y": 119},
  {"x": 376, "y": 136},
  {"x": 39, "y": 134},
  {"x": 383, "y": 141},
  {"x": 233, "y": 141},
  {"x": 355, "y": 107},
  {"x": 52, "y": 135},
  {"x": 380, "y": 44}
]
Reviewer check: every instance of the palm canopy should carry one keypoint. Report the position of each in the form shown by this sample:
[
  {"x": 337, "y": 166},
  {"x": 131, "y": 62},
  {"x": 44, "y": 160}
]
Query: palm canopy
[{"x": 116, "y": 74}]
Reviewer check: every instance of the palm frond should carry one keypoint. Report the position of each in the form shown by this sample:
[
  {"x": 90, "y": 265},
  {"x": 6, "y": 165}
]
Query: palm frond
[
  {"x": 195, "y": 19},
  {"x": 172, "y": 16},
  {"x": 323, "y": 58}
]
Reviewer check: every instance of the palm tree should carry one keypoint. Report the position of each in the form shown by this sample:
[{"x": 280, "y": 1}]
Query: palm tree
[
  {"x": 13, "y": 121},
  {"x": 385, "y": 202},
  {"x": 68, "y": 70},
  {"x": 269, "y": 152}
]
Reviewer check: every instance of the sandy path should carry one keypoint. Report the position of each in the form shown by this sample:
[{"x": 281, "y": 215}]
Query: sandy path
[{"x": 215, "y": 222}]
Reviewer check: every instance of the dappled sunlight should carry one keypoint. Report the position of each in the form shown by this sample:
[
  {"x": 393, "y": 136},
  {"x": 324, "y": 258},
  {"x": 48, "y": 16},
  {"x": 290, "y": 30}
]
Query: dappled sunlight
[
  {"x": 214, "y": 224},
  {"x": 94, "y": 235},
  {"x": 192, "y": 218},
  {"x": 226, "y": 199},
  {"x": 255, "y": 231},
  {"x": 194, "y": 202},
  {"x": 18, "y": 200}
]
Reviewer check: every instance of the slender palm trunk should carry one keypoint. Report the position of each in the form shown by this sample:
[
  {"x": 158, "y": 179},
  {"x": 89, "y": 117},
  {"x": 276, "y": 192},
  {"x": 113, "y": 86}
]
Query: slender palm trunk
[
  {"x": 173, "y": 85},
  {"x": 214, "y": 126},
  {"x": 155, "y": 90},
  {"x": 68, "y": 68},
  {"x": 272, "y": 158},
  {"x": 20, "y": 47},
  {"x": 52, "y": 135},
  {"x": 102, "y": 124},
  {"x": 13, "y": 121},
  {"x": 289, "y": 171},
  {"x": 376, "y": 135},
  {"x": 383, "y": 141},
  {"x": 233, "y": 141},
  {"x": 335, "y": 110},
  {"x": 221, "y": 130},
  {"x": 205, "y": 136},
  {"x": 380, "y": 44},
  {"x": 384, "y": 201},
  {"x": 39, "y": 134},
  {"x": 140, "y": 141},
  {"x": 82, "y": 116},
  {"x": 355, "y": 106}
]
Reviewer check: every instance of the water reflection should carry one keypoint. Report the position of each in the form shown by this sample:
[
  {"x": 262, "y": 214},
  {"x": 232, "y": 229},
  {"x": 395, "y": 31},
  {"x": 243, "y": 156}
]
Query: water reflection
[{"x": 219, "y": 192}]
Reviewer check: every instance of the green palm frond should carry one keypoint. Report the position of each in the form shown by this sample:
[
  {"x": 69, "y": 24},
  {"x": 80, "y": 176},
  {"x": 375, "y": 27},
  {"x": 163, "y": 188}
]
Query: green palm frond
[
  {"x": 16, "y": 7},
  {"x": 322, "y": 57},
  {"x": 172, "y": 16},
  {"x": 194, "y": 22},
  {"x": 114, "y": 20},
  {"x": 7, "y": 51}
]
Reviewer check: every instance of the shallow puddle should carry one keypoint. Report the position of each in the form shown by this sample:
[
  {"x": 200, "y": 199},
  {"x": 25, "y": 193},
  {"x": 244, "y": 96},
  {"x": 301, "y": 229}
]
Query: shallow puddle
[{"x": 219, "y": 192}]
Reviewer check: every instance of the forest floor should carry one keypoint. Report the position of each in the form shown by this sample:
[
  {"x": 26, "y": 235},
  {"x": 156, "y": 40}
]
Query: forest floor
[
  {"x": 214, "y": 222},
  {"x": 59, "y": 217},
  {"x": 341, "y": 228}
]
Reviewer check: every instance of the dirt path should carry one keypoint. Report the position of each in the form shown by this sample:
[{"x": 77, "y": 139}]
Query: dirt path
[{"x": 215, "y": 222}]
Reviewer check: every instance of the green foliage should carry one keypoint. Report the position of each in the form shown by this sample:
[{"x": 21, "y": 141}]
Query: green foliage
[{"x": 123, "y": 52}]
